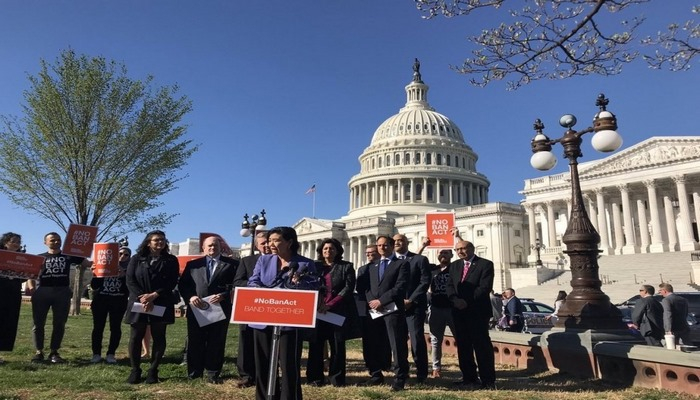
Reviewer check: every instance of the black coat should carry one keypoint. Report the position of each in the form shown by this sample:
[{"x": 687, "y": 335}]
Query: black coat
[
  {"x": 648, "y": 316},
  {"x": 343, "y": 284},
  {"x": 144, "y": 277}
]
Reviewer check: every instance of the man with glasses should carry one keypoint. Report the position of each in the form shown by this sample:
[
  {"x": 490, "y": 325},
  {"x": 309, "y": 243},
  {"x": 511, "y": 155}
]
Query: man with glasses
[
  {"x": 245, "y": 361},
  {"x": 469, "y": 286},
  {"x": 109, "y": 299},
  {"x": 647, "y": 316}
]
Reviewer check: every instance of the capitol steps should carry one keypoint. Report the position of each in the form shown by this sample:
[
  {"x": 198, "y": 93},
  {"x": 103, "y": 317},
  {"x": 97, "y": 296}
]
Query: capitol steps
[{"x": 623, "y": 274}]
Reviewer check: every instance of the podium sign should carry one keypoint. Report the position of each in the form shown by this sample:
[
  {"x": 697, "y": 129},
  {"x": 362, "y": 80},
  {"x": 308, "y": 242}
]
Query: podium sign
[{"x": 274, "y": 307}]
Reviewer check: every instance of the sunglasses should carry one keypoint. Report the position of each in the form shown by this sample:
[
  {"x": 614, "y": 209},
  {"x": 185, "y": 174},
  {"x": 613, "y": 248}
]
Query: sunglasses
[{"x": 121, "y": 253}]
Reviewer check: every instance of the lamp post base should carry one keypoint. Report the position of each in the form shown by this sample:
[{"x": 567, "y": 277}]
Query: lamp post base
[{"x": 571, "y": 350}]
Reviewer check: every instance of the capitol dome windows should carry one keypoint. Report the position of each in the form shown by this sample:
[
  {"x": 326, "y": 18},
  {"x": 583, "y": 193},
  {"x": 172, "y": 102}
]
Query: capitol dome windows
[
  {"x": 398, "y": 159},
  {"x": 447, "y": 160},
  {"x": 428, "y": 158},
  {"x": 438, "y": 159},
  {"x": 417, "y": 159},
  {"x": 419, "y": 192},
  {"x": 388, "y": 160}
]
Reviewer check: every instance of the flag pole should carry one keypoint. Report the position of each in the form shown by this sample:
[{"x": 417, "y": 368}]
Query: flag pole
[{"x": 313, "y": 206}]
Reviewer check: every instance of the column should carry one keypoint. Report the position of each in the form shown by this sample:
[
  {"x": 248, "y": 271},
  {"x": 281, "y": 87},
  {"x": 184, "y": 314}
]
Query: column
[
  {"x": 617, "y": 227},
  {"x": 670, "y": 225},
  {"x": 602, "y": 222},
  {"x": 352, "y": 250},
  {"x": 643, "y": 226},
  {"x": 685, "y": 229},
  {"x": 592, "y": 212},
  {"x": 462, "y": 197},
  {"x": 696, "y": 206},
  {"x": 449, "y": 193},
  {"x": 532, "y": 230},
  {"x": 657, "y": 241},
  {"x": 551, "y": 227},
  {"x": 424, "y": 194},
  {"x": 412, "y": 196},
  {"x": 630, "y": 246}
]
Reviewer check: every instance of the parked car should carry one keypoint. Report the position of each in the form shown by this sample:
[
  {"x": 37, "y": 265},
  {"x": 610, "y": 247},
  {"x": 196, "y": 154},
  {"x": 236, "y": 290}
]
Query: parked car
[
  {"x": 692, "y": 297},
  {"x": 535, "y": 313},
  {"x": 627, "y": 306}
]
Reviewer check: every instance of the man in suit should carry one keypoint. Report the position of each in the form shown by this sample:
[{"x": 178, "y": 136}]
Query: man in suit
[
  {"x": 245, "y": 362},
  {"x": 647, "y": 316},
  {"x": 513, "y": 308},
  {"x": 416, "y": 303},
  {"x": 675, "y": 314},
  {"x": 387, "y": 287},
  {"x": 469, "y": 286},
  {"x": 208, "y": 277},
  {"x": 374, "y": 336}
]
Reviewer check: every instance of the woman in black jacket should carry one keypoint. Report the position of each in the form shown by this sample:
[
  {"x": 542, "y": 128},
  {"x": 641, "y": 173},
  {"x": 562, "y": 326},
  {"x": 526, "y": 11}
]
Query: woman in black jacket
[
  {"x": 151, "y": 277},
  {"x": 10, "y": 297},
  {"x": 338, "y": 286}
]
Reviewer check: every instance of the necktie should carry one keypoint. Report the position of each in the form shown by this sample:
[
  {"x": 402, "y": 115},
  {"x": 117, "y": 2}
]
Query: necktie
[
  {"x": 210, "y": 268},
  {"x": 465, "y": 270},
  {"x": 382, "y": 267}
]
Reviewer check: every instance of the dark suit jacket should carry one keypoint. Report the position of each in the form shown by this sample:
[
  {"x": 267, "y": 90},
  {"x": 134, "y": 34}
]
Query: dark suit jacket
[
  {"x": 418, "y": 280},
  {"x": 648, "y": 316},
  {"x": 392, "y": 287},
  {"x": 193, "y": 281},
  {"x": 476, "y": 288},
  {"x": 160, "y": 277},
  {"x": 245, "y": 270},
  {"x": 675, "y": 313}
]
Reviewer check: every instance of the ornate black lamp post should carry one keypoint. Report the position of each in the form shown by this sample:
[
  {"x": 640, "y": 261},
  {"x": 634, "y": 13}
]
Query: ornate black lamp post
[
  {"x": 538, "y": 246},
  {"x": 586, "y": 307},
  {"x": 252, "y": 226}
]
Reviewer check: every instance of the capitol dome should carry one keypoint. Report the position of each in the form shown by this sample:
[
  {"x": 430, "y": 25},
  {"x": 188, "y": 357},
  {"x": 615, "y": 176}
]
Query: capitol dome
[{"x": 417, "y": 162}]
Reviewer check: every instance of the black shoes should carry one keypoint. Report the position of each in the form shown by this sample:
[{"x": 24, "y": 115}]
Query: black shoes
[
  {"x": 134, "y": 377},
  {"x": 372, "y": 382},
  {"x": 152, "y": 376},
  {"x": 214, "y": 380},
  {"x": 397, "y": 386},
  {"x": 245, "y": 382}
]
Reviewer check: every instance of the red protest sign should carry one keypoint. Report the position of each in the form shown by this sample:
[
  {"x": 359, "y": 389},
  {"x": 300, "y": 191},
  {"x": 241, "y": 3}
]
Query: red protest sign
[
  {"x": 438, "y": 225},
  {"x": 183, "y": 260},
  {"x": 105, "y": 259},
  {"x": 275, "y": 307},
  {"x": 14, "y": 264},
  {"x": 79, "y": 240}
]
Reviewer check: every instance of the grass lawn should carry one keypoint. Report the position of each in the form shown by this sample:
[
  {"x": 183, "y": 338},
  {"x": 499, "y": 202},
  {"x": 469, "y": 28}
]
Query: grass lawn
[{"x": 79, "y": 379}]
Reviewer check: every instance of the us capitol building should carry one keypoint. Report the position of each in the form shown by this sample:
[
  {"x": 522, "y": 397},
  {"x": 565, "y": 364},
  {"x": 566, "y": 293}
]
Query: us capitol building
[{"x": 418, "y": 162}]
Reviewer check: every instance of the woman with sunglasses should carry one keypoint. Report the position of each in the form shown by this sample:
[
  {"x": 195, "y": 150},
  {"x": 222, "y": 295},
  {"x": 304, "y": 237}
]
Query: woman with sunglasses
[
  {"x": 151, "y": 276},
  {"x": 109, "y": 299}
]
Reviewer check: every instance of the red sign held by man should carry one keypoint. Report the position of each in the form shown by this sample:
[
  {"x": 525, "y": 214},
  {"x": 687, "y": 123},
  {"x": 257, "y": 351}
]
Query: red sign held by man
[{"x": 79, "y": 240}]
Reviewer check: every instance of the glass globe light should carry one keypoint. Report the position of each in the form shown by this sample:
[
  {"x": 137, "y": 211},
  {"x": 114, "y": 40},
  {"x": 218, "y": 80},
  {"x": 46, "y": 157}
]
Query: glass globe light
[
  {"x": 543, "y": 160},
  {"x": 606, "y": 141},
  {"x": 245, "y": 232},
  {"x": 567, "y": 121},
  {"x": 260, "y": 228}
]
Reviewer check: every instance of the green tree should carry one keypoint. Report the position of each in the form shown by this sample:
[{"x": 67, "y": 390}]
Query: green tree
[
  {"x": 558, "y": 39},
  {"x": 94, "y": 147}
]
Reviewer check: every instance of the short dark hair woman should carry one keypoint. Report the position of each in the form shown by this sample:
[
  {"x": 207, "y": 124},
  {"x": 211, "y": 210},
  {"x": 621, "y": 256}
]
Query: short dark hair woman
[
  {"x": 10, "y": 297},
  {"x": 109, "y": 300},
  {"x": 338, "y": 287},
  {"x": 268, "y": 269},
  {"x": 151, "y": 276}
]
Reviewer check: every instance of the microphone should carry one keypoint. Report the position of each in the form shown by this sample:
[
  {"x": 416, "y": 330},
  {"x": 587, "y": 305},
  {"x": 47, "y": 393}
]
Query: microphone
[{"x": 293, "y": 267}]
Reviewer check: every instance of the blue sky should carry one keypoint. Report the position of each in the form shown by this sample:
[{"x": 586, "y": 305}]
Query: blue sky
[{"x": 288, "y": 94}]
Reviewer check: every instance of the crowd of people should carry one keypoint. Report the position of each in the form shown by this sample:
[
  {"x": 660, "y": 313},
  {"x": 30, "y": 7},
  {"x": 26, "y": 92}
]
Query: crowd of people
[{"x": 386, "y": 303}]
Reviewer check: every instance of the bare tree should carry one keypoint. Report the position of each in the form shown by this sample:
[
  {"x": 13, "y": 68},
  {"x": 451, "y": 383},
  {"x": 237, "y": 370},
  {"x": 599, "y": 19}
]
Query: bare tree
[{"x": 557, "y": 39}]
